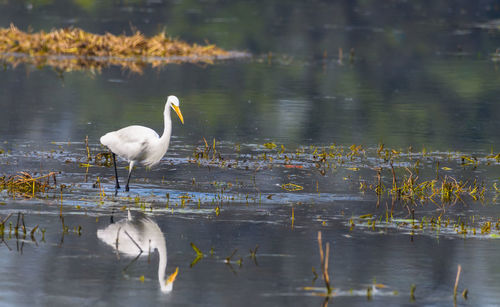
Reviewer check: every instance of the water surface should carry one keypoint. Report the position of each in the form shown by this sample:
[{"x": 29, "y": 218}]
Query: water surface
[{"x": 420, "y": 75}]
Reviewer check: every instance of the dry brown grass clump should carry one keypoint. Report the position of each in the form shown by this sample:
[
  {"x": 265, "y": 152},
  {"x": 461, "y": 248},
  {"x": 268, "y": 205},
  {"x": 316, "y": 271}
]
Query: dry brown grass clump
[{"x": 71, "y": 48}]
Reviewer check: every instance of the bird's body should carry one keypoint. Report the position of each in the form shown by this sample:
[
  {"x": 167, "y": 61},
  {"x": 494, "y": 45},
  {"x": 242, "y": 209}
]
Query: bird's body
[
  {"x": 138, "y": 144},
  {"x": 138, "y": 237}
]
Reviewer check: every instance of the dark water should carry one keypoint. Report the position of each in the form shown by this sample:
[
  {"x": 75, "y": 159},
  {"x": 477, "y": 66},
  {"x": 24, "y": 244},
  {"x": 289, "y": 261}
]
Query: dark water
[{"x": 421, "y": 74}]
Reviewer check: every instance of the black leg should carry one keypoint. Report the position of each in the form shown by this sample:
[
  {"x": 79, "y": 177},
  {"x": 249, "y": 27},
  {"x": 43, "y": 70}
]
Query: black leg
[
  {"x": 128, "y": 180},
  {"x": 117, "y": 186}
]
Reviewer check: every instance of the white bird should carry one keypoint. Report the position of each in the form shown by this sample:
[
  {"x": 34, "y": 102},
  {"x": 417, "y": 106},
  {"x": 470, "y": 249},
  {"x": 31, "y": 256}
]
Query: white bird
[
  {"x": 139, "y": 236},
  {"x": 141, "y": 144}
]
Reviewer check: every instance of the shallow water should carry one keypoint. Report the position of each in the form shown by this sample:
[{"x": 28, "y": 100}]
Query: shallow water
[{"x": 422, "y": 76}]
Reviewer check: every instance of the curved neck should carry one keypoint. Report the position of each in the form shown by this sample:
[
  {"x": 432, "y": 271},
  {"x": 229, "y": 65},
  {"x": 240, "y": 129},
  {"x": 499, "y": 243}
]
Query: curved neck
[
  {"x": 167, "y": 130},
  {"x": 162, "y": 263}
]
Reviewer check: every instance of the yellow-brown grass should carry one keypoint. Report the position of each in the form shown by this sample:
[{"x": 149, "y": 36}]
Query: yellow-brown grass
[
  {"x": 25, "y": 185},
  {"x": 71, "y": 48}
]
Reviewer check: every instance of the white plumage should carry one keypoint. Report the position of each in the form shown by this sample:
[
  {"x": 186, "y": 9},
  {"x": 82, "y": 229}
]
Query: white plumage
[
  {"x": 139, "y": 236},
  {"x": 138, "y": 144}
]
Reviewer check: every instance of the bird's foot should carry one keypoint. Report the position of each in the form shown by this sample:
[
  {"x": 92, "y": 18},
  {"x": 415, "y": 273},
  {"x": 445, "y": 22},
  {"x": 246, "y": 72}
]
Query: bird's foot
[{"x": 126, "y": 189}]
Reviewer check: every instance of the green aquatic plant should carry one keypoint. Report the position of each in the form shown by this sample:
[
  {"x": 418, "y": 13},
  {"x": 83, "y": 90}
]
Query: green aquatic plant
[
  {"x": 413, "y": 287},
  {"x": 292, "y": 187},
  {"x": 103, "y": 159},
  {"x": 199, "y": 255},
  {"x": 429, "y": 225},
  {"x": 314, "y": 274},
  {"x": 209, "y": 153},
  {"x": 26, "y": 185},
  {"x": 253, "y": 254},
  {"x": 270, "y": 145},
  {"x": 410, "y": 188},
  {"x": 230, "y": 257}
]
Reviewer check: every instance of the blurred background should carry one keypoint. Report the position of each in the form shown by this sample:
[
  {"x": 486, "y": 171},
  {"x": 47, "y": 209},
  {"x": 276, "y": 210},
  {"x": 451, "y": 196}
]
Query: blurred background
[{"x": 410, "y": 73}]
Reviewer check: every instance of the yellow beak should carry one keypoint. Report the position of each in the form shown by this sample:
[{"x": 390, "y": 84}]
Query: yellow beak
[
  {"x": 172, "y": 276},
  {"x": 178, "y": 111}
]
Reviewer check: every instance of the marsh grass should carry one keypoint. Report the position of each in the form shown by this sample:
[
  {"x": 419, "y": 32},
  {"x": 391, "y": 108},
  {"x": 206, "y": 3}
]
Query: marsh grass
[
  {"x": 412, "y": 182},
  {"x": 26, "y": 185},
  {"x": 466, "y": 227},
  {"x": 208, "y": 154},
  {"x": 74, "y": 49}
]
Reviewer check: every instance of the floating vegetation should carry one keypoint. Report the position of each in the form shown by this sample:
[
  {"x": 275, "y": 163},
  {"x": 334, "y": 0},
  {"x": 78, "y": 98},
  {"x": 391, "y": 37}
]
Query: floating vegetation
[
  {"x": 413, "y": 180},
  {"x": 26, "y": 185},
  {"x": 199, "y": 255},
  {"x": 292, "y": 187},
  {"x": 433, "y": 194},
  {"x": 270, "y": 145},
  {"x": 104, "y": 159},
  {"x": 413, "y": 183},
  {"x": 466, "y": 227},
  {"x": 207, "y": 154},
  {"x": 446, "y": 189},
  {"x": 75, "y": 49}
]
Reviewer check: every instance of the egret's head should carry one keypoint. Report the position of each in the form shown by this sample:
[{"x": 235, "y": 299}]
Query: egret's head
[{"x": 173, "y": 101}]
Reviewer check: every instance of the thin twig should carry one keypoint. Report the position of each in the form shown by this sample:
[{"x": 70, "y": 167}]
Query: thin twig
[
  {"x": 32, "y": 233},
  {"x": 325, "y": 272},
  {"x": 131, "y": 262},
  {"x": 89, "y": 158},
  {"x": 117, "y": 242},
  {"x": 324, "y": 262},
  {"x": 456, "y": 281},
  {"x": 134, "y": 241},
  {"x": 4, "y": 242},
  {"x": 228, "y": 259},
  {"x": 17, "y": 223},
  {"x": 320, "y": 243},
  {"x": 5, "y": 219},
  {"x": 24, "y": 225}
]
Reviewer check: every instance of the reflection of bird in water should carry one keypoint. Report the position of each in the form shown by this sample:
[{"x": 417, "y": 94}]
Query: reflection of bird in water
[
  {"x": 139, "y": 236},
  {"x": 141, "y": 144}
]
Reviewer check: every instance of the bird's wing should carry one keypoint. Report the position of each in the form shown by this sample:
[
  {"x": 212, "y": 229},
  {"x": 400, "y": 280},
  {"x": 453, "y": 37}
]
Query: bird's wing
[
  {"x": 125, "y": 237},
  {"x": 130, "y": 142}
]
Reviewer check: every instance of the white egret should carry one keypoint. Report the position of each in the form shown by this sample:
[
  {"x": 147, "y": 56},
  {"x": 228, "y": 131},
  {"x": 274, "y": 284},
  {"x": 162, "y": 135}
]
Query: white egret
[
  {"x": 137, "y": 237},
  {"x": 141, "y": 144}
]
